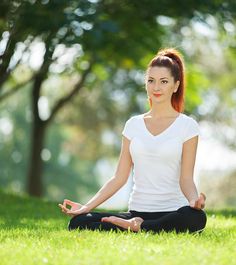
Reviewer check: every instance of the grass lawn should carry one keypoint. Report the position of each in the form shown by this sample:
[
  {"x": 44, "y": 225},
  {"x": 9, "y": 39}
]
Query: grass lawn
[{"x": 34, "y": 231}]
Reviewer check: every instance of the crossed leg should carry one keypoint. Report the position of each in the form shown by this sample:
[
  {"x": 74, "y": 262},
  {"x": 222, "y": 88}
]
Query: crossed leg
[
  {"x": 182, "y": 220},
  {"x": 185, "y": 218},
  {"x": 133, "y": 224},
  {"x": 92, "y": 221}
]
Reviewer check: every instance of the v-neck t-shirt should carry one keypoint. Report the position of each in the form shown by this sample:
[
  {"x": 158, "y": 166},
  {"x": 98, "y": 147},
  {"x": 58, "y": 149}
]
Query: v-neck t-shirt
[{"x": 157, "y": 163}]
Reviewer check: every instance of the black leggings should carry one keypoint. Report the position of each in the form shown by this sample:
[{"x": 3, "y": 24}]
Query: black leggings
[{"x": 182, "y": 220}]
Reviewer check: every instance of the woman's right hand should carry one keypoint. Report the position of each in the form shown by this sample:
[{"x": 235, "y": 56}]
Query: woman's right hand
[{"x": 76, "y": 208}]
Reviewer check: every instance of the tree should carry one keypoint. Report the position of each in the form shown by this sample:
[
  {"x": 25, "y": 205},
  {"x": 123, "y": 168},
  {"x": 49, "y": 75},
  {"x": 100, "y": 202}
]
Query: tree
[{"x": 105, "y": 34}]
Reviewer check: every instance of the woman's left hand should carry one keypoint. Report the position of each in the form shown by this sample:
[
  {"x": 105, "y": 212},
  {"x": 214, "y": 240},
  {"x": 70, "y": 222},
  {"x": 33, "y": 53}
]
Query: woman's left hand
[{"x": 199, "y": 203}]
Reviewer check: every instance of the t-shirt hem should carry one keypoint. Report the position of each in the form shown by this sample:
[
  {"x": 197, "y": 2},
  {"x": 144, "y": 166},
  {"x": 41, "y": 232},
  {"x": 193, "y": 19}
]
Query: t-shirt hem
[
  {"x": 191, "y": 136},
  {"x": 127, "y": 136},
  {"x": 171, "y": 209}
]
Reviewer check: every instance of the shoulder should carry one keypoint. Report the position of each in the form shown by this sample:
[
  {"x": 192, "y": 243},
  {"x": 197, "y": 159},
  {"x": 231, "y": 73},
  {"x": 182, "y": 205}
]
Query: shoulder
[
  {"x": 134, "y": 119},
  {"x": 131, "y": 126},
  {"x": 188, "y": 120},
  {"x": 190, "y": 127}
]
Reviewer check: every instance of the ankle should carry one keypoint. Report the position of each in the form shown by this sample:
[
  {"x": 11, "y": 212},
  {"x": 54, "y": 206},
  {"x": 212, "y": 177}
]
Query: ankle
[{"x": 137, "y": 221}]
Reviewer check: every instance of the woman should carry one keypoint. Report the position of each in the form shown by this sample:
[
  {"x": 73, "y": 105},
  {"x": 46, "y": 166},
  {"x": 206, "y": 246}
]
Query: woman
[{"x": 161, "y": 147}]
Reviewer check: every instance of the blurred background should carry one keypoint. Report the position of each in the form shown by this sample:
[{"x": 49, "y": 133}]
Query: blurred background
[{"x": 72, "y": 73}]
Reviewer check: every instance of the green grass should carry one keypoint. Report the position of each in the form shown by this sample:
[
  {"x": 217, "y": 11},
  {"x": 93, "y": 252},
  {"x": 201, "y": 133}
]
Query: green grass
[{"x": 34, "y": 231}]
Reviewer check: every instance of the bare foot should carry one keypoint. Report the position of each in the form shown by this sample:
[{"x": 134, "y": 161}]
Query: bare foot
[{"x": 133, "y": 223}]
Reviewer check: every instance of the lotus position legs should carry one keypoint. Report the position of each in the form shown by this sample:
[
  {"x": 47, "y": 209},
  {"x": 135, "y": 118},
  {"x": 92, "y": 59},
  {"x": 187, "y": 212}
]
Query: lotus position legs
[
  {"x": 181, "y": 220},
  {"x": 133, "y": 224}
]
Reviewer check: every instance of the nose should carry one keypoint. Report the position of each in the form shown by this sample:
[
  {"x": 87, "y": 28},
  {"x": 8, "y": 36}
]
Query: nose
[{"x": 156, "y": 89}]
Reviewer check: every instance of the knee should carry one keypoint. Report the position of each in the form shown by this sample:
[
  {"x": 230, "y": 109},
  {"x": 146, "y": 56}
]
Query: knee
[
  {"x": 201, "y": 220},
  {"x": 196, "y": 218},
  {"x": 73, "y": 224},
  {"x": 76, "y": 222}
]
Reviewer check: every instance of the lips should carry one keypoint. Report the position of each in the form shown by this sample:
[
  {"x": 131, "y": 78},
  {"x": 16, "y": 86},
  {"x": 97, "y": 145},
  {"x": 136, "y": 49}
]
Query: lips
[{"x": 157, "y": 95}]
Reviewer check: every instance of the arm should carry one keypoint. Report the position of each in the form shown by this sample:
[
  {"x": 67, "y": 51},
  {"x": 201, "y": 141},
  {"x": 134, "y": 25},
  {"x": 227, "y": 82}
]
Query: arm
[
  {"x": 109, "y": 188},
  {"x": 186, "y": 181},
  {"x": 118, "y": 180}
]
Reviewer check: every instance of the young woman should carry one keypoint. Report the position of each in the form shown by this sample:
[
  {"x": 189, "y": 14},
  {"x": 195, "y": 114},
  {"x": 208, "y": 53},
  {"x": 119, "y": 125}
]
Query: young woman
[{"x": 161, "y": 147}]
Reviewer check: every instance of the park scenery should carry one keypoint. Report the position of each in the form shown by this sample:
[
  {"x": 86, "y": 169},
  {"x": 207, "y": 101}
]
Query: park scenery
[{"x": 72, "y": 72}]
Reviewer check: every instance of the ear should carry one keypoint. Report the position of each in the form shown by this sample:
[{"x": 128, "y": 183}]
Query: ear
[{"x": 176, "y": 86}]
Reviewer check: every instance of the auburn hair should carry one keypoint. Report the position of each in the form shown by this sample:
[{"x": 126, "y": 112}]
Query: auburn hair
[{"x": 172, "y": 59}]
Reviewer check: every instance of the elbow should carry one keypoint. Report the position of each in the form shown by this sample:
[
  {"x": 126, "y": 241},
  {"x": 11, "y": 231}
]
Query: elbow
[
  {"x": 181, "y": 182},
  {"x": 120, "y": 181},
  {"x": 181, "y": 185}
]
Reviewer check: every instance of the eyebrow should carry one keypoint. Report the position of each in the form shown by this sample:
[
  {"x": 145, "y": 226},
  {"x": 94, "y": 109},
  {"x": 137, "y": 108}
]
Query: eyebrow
[{"x": 160, "y": 78}]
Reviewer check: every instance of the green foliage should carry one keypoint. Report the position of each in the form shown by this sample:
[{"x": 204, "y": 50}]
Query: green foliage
[
  {"x": 62, "y": 166},
  {"x": 197, "y": 85},
  {"x": 14, "y": 143},
  {"x": 36, "y": 231},
  {"x": 119, "y": 37}
]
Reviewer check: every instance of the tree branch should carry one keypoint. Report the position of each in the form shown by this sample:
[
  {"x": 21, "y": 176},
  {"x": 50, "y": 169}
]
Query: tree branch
[
  {"x": 64, "y": 100},
  {"x": 6, "y": 57},
  {"x": 15, "y": 89}
]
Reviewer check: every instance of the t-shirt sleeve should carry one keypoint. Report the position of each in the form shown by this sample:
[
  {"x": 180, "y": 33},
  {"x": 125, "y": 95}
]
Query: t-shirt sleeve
[
  {"x": 128, "y": 129},
  {"x": 191, "y": 130}
]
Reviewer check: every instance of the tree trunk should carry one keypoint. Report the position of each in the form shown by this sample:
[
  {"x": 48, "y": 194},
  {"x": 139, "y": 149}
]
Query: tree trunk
[
  {"x": 34, "y": 179},
  {"x": 35, "y": 168}
]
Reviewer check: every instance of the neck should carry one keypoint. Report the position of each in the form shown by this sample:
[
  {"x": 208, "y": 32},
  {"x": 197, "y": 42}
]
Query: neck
[{"x": 162, "y": 111}]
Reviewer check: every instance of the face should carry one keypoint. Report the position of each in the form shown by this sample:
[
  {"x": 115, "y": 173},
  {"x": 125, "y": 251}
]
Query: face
[{"x": 160, "y": 84}]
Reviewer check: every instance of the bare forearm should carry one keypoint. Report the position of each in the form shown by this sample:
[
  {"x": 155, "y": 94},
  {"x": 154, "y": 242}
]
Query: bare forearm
[
  {"x": 108, "y": 189},
  {"x": 189, "y": 189}
]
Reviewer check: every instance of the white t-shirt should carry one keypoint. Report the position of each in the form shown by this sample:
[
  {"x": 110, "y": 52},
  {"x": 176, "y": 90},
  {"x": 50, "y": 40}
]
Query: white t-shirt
[{"x": 157, "y": 163}]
